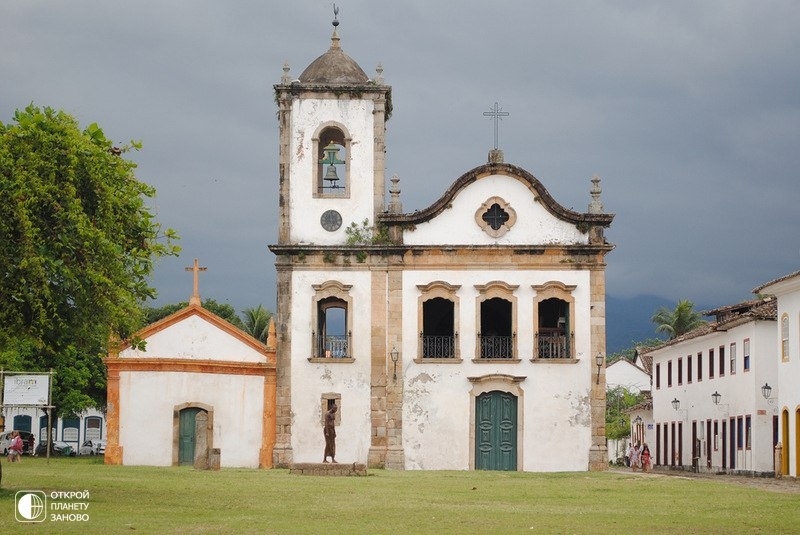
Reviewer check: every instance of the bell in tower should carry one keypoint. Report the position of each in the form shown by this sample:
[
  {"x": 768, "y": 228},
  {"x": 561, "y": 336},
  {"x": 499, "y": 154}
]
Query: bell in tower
[{"x": 331, "y": 159}]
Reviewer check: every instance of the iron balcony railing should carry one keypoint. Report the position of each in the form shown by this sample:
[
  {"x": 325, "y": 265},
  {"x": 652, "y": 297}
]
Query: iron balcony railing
[
  {"x": 438, "y": 347},
  {"x": 496, "y": 347},
  {"x": 332, "y": 346},
  {"x": 553, "y": 345}
]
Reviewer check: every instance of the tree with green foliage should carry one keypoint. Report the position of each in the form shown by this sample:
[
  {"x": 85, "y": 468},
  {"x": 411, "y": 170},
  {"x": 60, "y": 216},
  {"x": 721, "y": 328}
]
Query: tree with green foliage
[
  {"x": 256, "y": 322},
  {"x": 679, "y": 321},
  {"x": 618, "y": 400},
  {"x": 224, "y": 311},
  {"x": 77, "y": 247}
]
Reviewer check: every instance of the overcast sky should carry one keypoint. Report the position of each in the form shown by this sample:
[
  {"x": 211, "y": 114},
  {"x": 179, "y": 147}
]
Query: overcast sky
[{"x": 689, "y": 111}]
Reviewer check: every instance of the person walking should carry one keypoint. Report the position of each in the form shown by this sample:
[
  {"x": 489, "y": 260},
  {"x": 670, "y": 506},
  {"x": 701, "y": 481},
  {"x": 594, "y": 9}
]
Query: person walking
[
  {"x": 645, "y": 458},
  {"x": 634, "y": 454},
  {"x": 15, "y": 450}
]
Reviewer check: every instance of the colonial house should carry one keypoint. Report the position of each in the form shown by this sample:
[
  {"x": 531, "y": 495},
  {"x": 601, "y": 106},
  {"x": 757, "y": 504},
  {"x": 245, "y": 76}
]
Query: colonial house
[
  {"x": 75, "y": 430},
  {"x": 708, "y": 408},
  {"x": 466, "y": 335},
  {"x": 783, "y": 393},
  {"x": 201, "y": 391},
  {"x": 622, "y": 372}
]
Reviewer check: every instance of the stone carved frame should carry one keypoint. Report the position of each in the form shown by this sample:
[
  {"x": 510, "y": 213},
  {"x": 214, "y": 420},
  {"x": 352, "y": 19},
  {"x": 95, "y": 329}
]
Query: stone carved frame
[
  {"x": 486, "y": 227},
  {"x": 316, "y": 149},
  {"x": 339, "y": 291},
  {"x": 558, "y": 290},
  {"x": 176, "y": 418},
  {"x": 446, "y": 291},
  {"x": 502, "y": 383}
]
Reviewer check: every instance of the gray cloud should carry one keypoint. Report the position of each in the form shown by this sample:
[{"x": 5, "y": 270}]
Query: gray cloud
[{"x": 689, "y": 111}]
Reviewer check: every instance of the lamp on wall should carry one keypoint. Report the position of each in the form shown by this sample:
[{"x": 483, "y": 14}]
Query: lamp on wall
[
  {"x": 766, "y": 391},
  {"x": 599, "y": 361},
  {"x": 637, "y": 420},
  {"x": 715, "y": 397},
  {"x": 394, "y": 354},
  {"x": 676, "y": 404}
]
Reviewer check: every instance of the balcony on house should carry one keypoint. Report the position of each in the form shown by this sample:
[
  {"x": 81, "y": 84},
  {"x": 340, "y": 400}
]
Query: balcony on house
[
  {"x": 438, "y": 347},
  {"x": 496, "y": 347},
  {"x": 553, "y": 344}
]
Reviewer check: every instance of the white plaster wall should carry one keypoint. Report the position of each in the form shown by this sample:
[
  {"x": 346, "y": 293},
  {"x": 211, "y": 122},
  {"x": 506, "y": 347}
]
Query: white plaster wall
[
  {"x": 741, "y": 392},
  {"x": 194, "y": 338},
  {"x": 624, "y": 373},
  {"x": 557, "y": 420},
  {"x": 788, "y": 293},
  {"x": 304, "y": 209},
  {"x": 534, "y": 224},
  {"x": 311, "y": 380},
  {"x": 147, "y": 402}
]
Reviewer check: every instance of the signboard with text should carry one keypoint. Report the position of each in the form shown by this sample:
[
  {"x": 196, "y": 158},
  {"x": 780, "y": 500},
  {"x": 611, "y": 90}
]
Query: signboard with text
[{"x": 26, "y": 390}]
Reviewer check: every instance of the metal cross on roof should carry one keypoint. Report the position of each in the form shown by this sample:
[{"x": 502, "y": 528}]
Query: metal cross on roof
[
  {"x": 195, "y": 300},
  {"x": 497, "y": 114}
]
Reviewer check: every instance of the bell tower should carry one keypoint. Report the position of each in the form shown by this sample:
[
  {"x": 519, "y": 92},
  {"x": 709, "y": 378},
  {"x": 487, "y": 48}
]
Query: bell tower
[{"x": 332, "y": 122}]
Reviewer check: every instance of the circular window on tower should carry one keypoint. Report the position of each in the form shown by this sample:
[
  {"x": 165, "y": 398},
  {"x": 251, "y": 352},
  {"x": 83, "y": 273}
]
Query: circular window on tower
[{"x": 495, "y": 217}]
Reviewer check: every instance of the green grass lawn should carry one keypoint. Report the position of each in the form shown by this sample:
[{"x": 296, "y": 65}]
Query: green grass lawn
[{"x": 124, "y": 499}]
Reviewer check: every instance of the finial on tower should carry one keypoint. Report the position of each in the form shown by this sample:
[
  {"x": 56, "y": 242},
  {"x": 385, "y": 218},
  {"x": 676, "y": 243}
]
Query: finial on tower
[
  {"x": 596, "y": 205},
  {"x": 395, "y": 206},
  {"x": 335, "y": 36},
  {"x": 286, "y": 79}
]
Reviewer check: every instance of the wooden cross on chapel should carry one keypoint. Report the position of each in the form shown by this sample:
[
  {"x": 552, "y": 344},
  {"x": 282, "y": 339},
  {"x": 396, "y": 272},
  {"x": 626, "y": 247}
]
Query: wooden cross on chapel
[{"x": 195, "y": 299}]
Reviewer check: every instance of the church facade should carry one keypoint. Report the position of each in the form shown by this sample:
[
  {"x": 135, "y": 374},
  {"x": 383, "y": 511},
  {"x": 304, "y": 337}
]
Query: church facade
[{"x": 466, "y": 335}]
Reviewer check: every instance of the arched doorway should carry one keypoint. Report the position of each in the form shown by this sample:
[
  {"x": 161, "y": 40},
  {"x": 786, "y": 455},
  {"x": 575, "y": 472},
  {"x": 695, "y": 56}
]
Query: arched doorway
[
  {"x": 797, "y": 442},
  {"x": 193, "y": 424},
  {"x": 785, "y": 442}
]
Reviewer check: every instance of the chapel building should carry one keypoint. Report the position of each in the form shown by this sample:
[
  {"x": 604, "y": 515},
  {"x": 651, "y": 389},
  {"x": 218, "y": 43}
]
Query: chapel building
[{"x": 466, "y": 335}]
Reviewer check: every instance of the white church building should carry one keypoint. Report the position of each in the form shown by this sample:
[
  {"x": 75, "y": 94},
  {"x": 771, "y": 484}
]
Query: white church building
[{"x": 466, "y": 335}]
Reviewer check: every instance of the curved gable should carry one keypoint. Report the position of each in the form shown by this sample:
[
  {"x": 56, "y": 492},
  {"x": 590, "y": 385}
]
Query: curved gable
[{"x": 503, "y": 169}]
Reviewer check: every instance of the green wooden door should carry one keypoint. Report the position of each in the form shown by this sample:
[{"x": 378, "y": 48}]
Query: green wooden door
[
  {"x": 496, "y": 431},
  {"x": 186, "y": 436}
]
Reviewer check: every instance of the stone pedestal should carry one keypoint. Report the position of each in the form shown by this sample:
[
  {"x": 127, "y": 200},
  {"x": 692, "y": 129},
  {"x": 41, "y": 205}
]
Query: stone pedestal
[
  {"x": 328, "y": 469},
  {"x": 214, "y": 459}
]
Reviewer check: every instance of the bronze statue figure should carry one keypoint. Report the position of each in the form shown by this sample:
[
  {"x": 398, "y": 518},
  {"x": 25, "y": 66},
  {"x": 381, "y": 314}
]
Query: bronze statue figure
[{"x": 330, "y": 434}]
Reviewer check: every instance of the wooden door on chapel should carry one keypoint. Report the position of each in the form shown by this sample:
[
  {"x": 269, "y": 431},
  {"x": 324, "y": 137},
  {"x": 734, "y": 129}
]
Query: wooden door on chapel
[
  {"x": 186, "y": 435},
  {"x": 496, "y": 431}
]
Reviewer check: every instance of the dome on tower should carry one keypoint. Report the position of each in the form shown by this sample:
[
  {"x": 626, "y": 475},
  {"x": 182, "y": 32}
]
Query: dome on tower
[{"x": 334, "y": 67}]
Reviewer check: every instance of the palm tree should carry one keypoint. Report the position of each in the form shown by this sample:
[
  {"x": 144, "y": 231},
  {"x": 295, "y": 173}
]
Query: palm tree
[
  {"x": 679, "y": 321},
  {"x": 256, "y": 322}
]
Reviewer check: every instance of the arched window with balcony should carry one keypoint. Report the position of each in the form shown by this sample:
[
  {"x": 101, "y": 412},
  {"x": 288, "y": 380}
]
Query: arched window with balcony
[
  {"x": 332, "y": 334},
  {"x": 554, "y": 318},
  {"x": 497, "y": 321},
  {"x": 438, "y": 320}
]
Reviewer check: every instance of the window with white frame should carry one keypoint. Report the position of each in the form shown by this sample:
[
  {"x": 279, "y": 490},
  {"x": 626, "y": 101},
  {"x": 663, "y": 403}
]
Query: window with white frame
[
  {"x": 785, "y": 337},
  {"x": 733, "y": 358}
]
